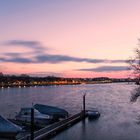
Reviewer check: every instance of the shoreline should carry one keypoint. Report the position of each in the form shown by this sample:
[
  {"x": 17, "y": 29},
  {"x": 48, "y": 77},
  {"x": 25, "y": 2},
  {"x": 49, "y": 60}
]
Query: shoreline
[{"x": 57, "y": 84}]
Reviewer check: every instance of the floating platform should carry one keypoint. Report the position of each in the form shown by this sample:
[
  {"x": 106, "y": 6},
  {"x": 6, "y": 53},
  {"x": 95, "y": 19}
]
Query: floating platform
[{"x": 53, "y": 129}]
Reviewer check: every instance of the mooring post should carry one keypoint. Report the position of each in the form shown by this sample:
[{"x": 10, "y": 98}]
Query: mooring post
[
  {"x": 84, "y": 106},
  {"x": 32, "y": 123}
]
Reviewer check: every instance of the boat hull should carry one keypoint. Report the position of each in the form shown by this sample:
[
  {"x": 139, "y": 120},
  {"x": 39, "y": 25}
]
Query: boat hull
[{"x": 93, "y": 114}]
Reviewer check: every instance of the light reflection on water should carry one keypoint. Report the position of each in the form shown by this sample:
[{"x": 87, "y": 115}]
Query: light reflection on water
[{"x": 118, "y": 119}]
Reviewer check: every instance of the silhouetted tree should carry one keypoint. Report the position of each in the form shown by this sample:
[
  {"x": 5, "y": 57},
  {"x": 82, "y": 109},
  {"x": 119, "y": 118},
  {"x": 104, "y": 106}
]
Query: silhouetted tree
[
  {"x": 1, "y": 74},
  {"x": 135, "y": 63}
]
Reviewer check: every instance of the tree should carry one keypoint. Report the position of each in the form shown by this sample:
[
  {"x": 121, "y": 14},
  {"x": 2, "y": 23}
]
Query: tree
[
  {"x": 135, "y": 63},
  {"x": 1, "y": 74}
]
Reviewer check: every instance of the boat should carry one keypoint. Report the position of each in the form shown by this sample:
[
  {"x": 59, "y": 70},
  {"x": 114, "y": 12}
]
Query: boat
[
  {"x": 93, "y": 114},
  {"x": 8, "y": 129},
  {"x": 25, "y": 116},
  {"x": 56, "y": 112}
]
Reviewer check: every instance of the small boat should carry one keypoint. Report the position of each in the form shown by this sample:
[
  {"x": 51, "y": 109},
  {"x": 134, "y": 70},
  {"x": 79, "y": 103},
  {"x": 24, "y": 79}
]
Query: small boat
[
  {"x": 8, "y": 129},
  {"x": 93, "y": 114},
  {"x": 56, "y": 112},
  {"x": 25, "y": 116}
]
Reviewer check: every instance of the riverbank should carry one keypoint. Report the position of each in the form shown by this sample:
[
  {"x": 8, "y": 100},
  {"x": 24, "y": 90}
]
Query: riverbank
[
  {"x": 36, "y": 85},
  {"x": 23, "y": 80},
  {"x": 57, "y": 84}
]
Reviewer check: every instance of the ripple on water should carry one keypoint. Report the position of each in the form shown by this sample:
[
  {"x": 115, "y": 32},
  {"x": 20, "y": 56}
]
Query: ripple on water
[{"x": 118, "y": 115}]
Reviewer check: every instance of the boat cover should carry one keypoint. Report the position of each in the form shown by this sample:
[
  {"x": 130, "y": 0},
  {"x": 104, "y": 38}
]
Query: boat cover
[
  {"x": 8, "y": 127},
  {"x": 51, "y": 110}
]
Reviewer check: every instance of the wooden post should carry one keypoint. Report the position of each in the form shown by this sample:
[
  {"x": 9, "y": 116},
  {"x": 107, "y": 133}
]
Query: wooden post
[
  {"x": 84, "y": 106},
  {"x": 32, "y": 123}
]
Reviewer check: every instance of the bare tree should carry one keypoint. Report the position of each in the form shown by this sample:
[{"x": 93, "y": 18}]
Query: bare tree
[{"x": 135, "y": 63}]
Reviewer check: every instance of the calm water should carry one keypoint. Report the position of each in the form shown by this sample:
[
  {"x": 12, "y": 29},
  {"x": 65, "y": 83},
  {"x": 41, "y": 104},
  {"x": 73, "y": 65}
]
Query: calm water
[{"x": 119, "y": 117}]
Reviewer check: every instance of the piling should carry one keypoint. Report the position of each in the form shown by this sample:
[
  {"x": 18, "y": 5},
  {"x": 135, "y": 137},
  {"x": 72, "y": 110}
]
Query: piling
[
  {"x": 32, "y": 124},
  {"x": 84, "y": 105}
]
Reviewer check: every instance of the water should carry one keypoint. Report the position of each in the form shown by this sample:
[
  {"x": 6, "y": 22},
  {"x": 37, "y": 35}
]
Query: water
[{"x": 119, "y": 117}]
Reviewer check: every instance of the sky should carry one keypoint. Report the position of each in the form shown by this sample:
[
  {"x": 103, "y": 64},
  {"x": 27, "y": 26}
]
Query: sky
[{"x": 68, "y": 38}]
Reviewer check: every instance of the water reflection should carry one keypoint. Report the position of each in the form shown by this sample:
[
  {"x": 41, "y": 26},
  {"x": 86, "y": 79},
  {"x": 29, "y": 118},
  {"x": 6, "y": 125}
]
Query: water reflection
[
  {"x": 118, "y": 115},
  {"x": 83, "y": 128},
  {"x": 135, "y": 94}
]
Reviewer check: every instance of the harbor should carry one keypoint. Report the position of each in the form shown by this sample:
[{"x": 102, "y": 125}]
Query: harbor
[
  {"x": 117, "y": 114},
  {"x": 52, "y": 130},
  {"x": 38, "y": 115}
]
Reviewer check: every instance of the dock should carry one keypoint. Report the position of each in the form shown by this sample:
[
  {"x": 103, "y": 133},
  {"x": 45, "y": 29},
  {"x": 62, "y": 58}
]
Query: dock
[{"x": 50, "y": 131}]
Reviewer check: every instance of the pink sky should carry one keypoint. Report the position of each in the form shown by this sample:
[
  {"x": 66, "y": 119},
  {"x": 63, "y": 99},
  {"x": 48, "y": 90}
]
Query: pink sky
[{"x": 63, "y": 38}]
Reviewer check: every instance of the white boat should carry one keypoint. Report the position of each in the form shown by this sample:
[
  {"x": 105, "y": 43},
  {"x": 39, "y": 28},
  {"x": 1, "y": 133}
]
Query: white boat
[
  {"x": 57, "y": 113},
  {"x": 25, "y": 116},
  {"x": 8, "y": 129}
]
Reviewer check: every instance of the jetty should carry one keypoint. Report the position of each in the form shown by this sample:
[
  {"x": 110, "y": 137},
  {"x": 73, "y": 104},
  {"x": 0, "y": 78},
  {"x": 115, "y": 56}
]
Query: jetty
[{"x": 53, "y": 129}]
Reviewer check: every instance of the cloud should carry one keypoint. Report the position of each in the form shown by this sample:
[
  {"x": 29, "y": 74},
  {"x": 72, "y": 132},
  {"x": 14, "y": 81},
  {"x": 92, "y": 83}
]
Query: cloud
[
  {"x": 107, "y": 69},
  {"x": 25, "y": 43},
  {"x": 31, "y": 44},
  {"x": 13, "y": 54},
  {"x": 53, "y": 59},
  {"x": 39, "y": 55},
  {"x": 42, "y": 74},
  {"x": 50, "y": 58},
  {"x": 16, "y": 60}
]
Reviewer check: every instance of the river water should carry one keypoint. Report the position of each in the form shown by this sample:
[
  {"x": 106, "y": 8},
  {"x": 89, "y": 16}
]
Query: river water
[{"x": 119, "y": 117}]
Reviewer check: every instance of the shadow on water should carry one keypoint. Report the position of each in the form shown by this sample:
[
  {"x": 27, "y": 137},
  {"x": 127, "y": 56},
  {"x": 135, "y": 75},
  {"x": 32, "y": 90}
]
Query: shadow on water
[
  {"x": 83, "y": 129},
  {"x": 135, "y": 95},
  {"x": 83, "y": 125}
]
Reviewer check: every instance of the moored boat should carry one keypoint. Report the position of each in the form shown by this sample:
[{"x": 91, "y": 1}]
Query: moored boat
[
  {"x": 93, "y": 114},
  {"x": 8, "y": 129},
  {"x": 56, "y": 112},
  {"x": 25, "y": 116}
]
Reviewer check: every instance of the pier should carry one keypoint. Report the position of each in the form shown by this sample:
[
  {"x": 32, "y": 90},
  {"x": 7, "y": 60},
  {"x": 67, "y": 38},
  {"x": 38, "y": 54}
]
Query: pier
[{"x": 53, "y": 129}]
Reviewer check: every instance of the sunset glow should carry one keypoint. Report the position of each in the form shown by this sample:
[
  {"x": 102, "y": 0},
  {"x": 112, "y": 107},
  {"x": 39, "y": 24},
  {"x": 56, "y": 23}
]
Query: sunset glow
[{"x": 68, "y": 38}]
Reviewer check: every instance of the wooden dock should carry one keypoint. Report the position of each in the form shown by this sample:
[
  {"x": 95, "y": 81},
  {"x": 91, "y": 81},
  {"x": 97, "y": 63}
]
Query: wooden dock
[{"x": 53, "y": 129}]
